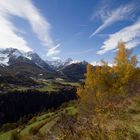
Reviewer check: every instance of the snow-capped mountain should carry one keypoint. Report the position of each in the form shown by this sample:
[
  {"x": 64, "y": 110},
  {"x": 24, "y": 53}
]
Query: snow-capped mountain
[
  {"x": 30, "y": 64},
  {"x": 36, "y": 59},
  {"x": 9, "y": 56},
  {"x": 6, "y": 54},
  {"x": 69, "y": 61},
  {"x": 59, "y": 64},
  {"x": 55, "y": 64},
  {"x": 70, "y": 69}
]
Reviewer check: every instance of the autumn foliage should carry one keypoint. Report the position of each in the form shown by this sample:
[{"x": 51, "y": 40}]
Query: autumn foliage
[{"x": 104, "y": 84}]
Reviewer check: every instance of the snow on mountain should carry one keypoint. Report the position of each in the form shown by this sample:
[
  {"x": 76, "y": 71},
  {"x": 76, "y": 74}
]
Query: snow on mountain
[
  {"x": 73, "y": 62},
  {"x": 9, "y": 56},
  {"x": 59, "y": 63},
  {"x": 55, "y": 64},
  {"x": 4, "y": 59},
  {"x": 69, "y": 61},
  {"x": 36, "y": 59},
  {"x": 6, "y": 54},
  {"x": 34, "y": 65}
]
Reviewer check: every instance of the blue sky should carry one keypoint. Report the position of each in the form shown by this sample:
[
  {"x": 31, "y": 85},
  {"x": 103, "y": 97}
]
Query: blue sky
[{"x": 80, "y": 29}]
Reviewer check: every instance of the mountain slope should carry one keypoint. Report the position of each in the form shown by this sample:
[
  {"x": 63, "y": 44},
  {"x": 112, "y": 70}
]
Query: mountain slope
[
  {"x": 10, "y": 56},
  {"x": 15, "y": 62},
  {"x": 74, "y": 71},
  {"x": 37, "y": 60}
]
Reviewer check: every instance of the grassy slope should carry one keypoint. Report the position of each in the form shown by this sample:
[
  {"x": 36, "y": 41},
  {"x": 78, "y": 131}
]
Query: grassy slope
[
  {"x": 6, "y": 136},
  {"x": 130, "y": 116},
  {"x": 134, "y": 112},
  {"x": 121, "y": 125},
  {"x": 48, "y": 86},
  {"x": 126, "y": 122},
  {"x": 45, "y": 123}
]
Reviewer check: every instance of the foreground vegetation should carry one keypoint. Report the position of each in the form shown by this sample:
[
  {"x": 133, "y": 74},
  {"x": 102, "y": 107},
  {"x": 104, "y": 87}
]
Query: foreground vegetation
[
  {"x": 67, "y": 124},
  {"x": 39, "y": 124}
]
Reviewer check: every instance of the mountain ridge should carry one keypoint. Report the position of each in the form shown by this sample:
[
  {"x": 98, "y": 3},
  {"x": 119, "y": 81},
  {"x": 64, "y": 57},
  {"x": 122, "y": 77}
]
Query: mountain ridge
[
  {"x": 6, "y": 54},
  {"x": 31, "y": 64}
]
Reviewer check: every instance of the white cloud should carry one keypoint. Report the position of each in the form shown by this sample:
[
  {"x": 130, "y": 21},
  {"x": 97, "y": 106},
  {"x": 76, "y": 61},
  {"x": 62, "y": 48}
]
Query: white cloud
[
  {"x": 99, "y": 63},
  {"x": 130, "y": 35},
  {"x": 110, "y": 17},
  {"x": 24, "y": 9},
  {"x": 53, "y": 51},
  {"x": 9, "y": 38},
  {"x": 95, "y": 63}
]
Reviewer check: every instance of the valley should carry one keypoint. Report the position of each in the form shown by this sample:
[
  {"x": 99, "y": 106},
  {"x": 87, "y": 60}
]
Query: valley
[
  {"x": 29, "y": 86},
  {"x": 69, "y": 69}
]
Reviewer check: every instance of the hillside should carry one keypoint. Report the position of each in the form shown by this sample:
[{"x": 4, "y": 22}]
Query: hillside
[{"x": 52, "y": 125}]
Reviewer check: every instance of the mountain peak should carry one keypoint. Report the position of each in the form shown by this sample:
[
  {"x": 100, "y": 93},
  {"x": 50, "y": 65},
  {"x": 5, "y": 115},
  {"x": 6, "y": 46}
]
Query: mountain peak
[
  {"x": 11, "y": 55},
  {"x": 6, "y": 54}
]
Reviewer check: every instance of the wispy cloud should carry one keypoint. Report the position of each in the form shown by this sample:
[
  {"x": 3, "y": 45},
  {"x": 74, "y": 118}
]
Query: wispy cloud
[
  {"x": 130, "y": 35},
  {"x": 109, "y": 17},
  {"x": 54, "y": 51},
  {"x": 24, "y": 9},
  {"x": 9, "y": 37}
]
